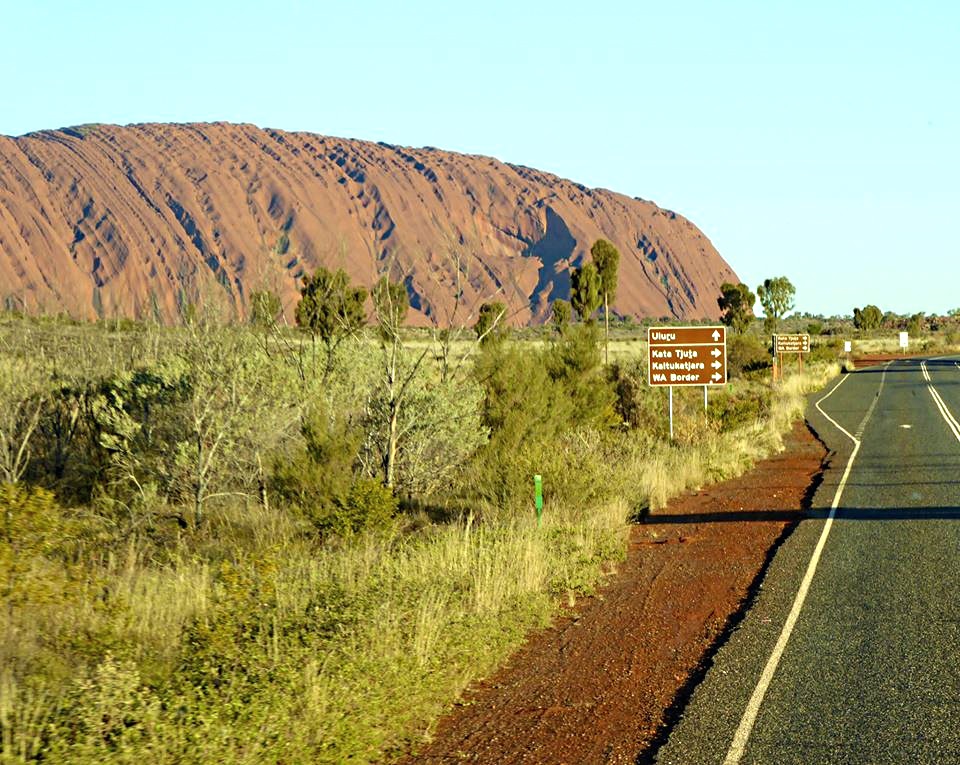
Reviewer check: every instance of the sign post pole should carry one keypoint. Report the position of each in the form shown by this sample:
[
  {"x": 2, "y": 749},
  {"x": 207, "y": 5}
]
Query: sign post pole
[
  {"x": 671, "y": 412},
  {"x": 538, "y": 498},
  {"x": 704, "y": 398},
  {"x": 785, "y": 344}
]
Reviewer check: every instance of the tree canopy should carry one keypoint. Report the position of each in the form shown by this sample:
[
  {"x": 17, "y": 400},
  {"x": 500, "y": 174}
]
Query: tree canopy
[
  {"x": 606, "y": 258},
  {"x": 560, "y": 315},
  {"x": 488, "y": 319},
  {"x": 776, "y": 297},
  {"x": 585, "y": 291},
  {"x": 870, "y": 317},
  {"x": 391, "y": 302},
  {"x": 736, "y": 301},
  {"x": 330, "y": 308}
]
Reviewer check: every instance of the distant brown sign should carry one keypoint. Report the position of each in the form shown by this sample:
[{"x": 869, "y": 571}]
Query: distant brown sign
[
  {"x": 687, "y": 355},
  {"x": 791, "y": 343}
]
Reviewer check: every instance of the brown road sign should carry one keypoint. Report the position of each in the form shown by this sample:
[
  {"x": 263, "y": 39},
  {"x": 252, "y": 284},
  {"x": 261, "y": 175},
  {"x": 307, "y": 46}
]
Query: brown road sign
[
  {"x": 791, "y": 343},
  {"x": 687, "y": 355}
]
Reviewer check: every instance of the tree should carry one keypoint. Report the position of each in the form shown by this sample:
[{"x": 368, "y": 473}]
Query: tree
[
  {"x": 450, "y": 327},
  {"x": 235, "y": 405},
  {"x": 870, "y": 317},
  {"x": 606, "y": 258},
  {"x": 736, "y": 302},
  {"x": 488, "y": 319},
  {"x": 265, "y": 307},
  {"x": 776, "y": 297},
  {"x": 560, "y": 315},
  {"x": 391, "y": 303},
  {"x": 331, "y": 309},
  {"x": 419, "y": 429},
  {"x": 585, "y": 291}
]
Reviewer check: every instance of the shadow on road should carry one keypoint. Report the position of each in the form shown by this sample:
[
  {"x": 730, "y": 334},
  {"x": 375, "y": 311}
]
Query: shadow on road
[{"x": 788, "y": 516}]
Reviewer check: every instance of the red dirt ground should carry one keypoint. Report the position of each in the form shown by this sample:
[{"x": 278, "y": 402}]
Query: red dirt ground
[
  {"x": 605, "y": 681},
  {"x": 869, "y": 360}
]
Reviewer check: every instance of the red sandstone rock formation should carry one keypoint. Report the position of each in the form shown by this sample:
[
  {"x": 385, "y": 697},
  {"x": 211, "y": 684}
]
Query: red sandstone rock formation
[{"x": 137, "y": 221}]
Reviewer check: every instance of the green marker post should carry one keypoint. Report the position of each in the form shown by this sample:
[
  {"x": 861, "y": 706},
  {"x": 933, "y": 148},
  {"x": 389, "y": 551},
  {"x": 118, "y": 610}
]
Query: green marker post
[{"x": 538, "y": 498}]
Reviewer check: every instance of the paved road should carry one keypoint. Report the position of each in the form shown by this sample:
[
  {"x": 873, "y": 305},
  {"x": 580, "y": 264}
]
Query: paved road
[{"x": 870, "y": 672}]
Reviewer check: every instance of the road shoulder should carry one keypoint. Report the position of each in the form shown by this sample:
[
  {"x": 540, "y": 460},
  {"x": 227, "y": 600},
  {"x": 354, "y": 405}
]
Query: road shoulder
[{"x": 608, "y": 679}]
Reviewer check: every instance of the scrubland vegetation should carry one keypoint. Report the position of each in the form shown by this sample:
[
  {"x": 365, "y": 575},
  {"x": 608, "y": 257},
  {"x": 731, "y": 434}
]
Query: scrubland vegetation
[{"x": 246, "y": 544}]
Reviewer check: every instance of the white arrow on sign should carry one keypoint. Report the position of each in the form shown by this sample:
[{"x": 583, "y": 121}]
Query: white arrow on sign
[
  {"x": 716, "y": 365},
  {"x": 715, "y": 335},
  {"x": 716, "y": 376},
  {"x": 715, "y": 352}
]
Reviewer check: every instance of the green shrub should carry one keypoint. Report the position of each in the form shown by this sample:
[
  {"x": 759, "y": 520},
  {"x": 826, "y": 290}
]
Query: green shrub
[
  {"x": 737, "y": 410},
  {"x": 538, "y": 406},
  {"x": 746, "y": 355},
  {"x": 574, "y": 362},
  {"x": 638, "y": 405},
  {"x": 829, "y": 351},
  {"x": 367, "y": 505},
  {"x": 108, "y": 714},
  {"x": 320, "y": 483},
  {"x": 29, "y": 518}
]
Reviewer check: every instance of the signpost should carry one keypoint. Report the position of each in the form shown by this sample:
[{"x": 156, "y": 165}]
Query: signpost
[
  {"x": 791, "y": 343},
  {"x": 798, "y": 344},
  {"x": 904, "y": 340},
  {"x": 686, "y": 356}
]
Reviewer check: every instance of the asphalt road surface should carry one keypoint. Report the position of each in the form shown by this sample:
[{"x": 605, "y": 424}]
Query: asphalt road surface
[{"x": 863, "y": 665}]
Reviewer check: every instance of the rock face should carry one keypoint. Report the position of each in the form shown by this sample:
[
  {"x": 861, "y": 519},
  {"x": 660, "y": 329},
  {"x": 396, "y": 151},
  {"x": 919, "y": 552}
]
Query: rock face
[{"x": 141, "y": 220}]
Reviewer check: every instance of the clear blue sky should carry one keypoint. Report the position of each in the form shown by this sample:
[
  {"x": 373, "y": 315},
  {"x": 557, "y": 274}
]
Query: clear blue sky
[{"x": 816, "y": 140}]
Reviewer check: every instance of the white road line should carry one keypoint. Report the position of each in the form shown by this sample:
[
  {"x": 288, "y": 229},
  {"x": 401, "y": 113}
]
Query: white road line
[
  {"x": 941, "y": 404},
  {"x": 740, "y": 737}
]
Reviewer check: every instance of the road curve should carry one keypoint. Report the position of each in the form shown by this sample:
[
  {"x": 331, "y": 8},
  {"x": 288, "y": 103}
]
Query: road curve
[{"x": 870, "y": 670}]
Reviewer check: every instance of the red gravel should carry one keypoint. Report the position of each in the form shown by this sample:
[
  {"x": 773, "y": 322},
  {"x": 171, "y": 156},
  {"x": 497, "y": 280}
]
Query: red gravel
[
  {"x": 873, "y": 359},
  {"x": 602, "y": 684}
]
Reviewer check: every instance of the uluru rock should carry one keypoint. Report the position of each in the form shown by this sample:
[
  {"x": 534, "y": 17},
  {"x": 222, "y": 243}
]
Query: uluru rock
[{"x": 103, "y": 221}]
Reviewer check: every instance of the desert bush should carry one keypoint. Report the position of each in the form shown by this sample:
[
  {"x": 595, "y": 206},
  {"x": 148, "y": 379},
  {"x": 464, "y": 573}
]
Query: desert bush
[
  {"x": 322, "y": 468},
  {"x": 24, "y": 384},
  {"x": 746, "y": 355},
  {"x": 638, "y": 405},
  {"x": 525, "y": 410},
  {"x": 107, "y": 714},
  {"x": 367, "y": 505},
  {"x": 733, "y": 411},
  {"x": 574, "y": 362},
  {"x": 438, "y": 428},
  {"x": 29, "y": 518},
  {"x": 320, "y": 481},
  {"x": 826, "y": 353},
  {"x": 535, "y": 404}
]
